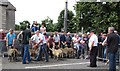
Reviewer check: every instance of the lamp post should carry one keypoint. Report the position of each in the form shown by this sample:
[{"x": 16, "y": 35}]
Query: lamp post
[{"x": 65, "y": 16}]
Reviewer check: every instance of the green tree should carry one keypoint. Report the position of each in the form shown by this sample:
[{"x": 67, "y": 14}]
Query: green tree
[
  {"x": 70, "y": 23},
  {"x": 97, "y": 16},
  {"x": 49, "y": 24},
  {"x": 17, "y": 27},
  {"x": 24, "y": 24}
]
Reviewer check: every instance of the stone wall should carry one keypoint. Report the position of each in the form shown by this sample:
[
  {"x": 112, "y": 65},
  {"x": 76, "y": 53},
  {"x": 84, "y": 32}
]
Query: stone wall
[
  {"x": 7, "y": 15},
  {"x": 10, "y": 19},
  {"x": 0, "y": 16},
  {"x": 4, "y": 17}
]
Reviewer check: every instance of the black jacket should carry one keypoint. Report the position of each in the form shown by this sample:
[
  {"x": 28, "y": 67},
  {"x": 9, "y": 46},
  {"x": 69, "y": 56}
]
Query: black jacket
[{"x": 112, "y": 41}]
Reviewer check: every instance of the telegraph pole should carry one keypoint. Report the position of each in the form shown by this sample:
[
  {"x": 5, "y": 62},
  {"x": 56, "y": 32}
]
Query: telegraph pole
[{"x": 65, "y": 16}]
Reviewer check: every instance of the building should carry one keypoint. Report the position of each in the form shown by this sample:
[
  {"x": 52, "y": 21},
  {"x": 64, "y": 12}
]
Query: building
[{"x": 7, "y": 15}]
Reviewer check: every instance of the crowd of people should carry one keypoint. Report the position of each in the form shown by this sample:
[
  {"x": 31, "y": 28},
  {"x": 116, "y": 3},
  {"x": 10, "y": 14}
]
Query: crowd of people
[{"x": 104, "y": 46}]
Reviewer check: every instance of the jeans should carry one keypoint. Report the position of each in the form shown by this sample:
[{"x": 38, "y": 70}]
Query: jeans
[
  {"x": 26, "y": 54},
  {"x": 61, "y": 45},
  {"x": 43, "y": 48},
  {"x": 82, "y": 48},
  {"x": 118, "y": 56},
  {"x": 78, "y": 51},
  {"x": 68, "y": 44},
  {"x": 104, "y": 52},
  {"x": 112, "y": 61}
]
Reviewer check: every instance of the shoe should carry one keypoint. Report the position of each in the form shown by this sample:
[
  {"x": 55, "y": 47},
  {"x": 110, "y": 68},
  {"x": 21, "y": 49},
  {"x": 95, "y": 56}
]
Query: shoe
[
  {"x": 83, "y": 57},
  {"x": 92, "y": 66},
  {"x": 77, "y": 58},
  {"x": 25, "y": 63},
  {"x": 46, "y": 61},
  {"x": 87, "y": 58},
  {"x": 35, "y": 60}
]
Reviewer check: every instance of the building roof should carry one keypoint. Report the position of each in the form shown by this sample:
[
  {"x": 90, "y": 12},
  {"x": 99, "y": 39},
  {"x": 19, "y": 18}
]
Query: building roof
[
  {"x": 0, "y": 2},
  {"x": 8, "y": 4},
  {"x": 4, "y": 0}
]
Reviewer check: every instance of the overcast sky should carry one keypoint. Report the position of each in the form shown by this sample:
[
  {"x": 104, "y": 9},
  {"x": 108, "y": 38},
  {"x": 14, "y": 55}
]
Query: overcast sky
[{"x": 37, "y": 10}]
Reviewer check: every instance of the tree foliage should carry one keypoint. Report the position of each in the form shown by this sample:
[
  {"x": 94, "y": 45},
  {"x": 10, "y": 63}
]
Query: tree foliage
[
  {"x": 22, "y": 25},
  {"x": 70, "y": 23},
  {"x": 97, "y": 16},
  {"x": 17, "y": 27},
  {"x": 90, "y": 15},
  {"x": 49, "y": 24}
]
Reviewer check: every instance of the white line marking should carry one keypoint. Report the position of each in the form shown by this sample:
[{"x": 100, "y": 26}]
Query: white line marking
[{"x": 56, "y": 65}]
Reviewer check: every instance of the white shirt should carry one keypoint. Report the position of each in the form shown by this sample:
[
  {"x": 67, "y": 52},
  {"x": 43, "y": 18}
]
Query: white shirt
[
  {"x": 33, "y": 37},
  {"x": 42, "y": 29},
  {"x": 93, "y": 38},
  {"x": 56, "y": 38},
  {"x": 73, "y": 38},
  {"x": 37, "y": 38},
  {"x": 76, "y": 44},
  {"x": 43, "y": 37}
]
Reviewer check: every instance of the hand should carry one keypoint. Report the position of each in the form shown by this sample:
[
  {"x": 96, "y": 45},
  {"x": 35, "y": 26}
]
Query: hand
[
  {"x": 12, "y": 45},
  {"x": 90, "y": 48},
  {"x": 103, "y": 44},
  {"x": 35, "y": 46},
  {"x": 6, "y": 45},
  {"x": 100, "y": 42},
  {"x": 64, "y": 43},
  {"x": 58, "y": 46}
]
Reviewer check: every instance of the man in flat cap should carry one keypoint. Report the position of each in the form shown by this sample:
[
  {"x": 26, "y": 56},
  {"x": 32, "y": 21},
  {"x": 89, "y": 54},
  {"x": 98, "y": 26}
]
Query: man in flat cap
[{"x": 93, "y": 47}]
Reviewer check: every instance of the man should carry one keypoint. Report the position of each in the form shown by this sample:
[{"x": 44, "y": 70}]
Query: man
[
  {"x": 35, "y": 26},
  {"x": 62, "y": 39},
  {"x": 74, "y": 40},
  {"x": 2, "y": 37},
  {"x": 26, "y": 35},
  {"x": 51, "y": 44},
  {"x": 68, "y": 40},
  {"x": 117, "y": 55},
  {"x": 10, "y": 39},
  {"x": 56, "y": 38},
  {"x": 104, "y": 51},
  {"x": 112, "y": 42},
  {"x": 40, "y": 41},
  {"x": 37, "y": 40},
  {"x": 43, "y": 28},
  {"x": 93, "y": 47},
  {"x": 44, "y": 48},
  {"x": 88, "y": 52},
  {"x": 100, "y": 47},
  {"x": 77, "y": 46}
]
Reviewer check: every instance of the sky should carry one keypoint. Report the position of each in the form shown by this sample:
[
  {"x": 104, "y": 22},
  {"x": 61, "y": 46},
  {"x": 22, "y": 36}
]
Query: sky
[{"x": 37, "y": 10}]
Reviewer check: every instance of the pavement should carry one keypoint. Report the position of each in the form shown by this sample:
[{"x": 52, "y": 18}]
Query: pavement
[
  {"x": 0, "y": 63},
  {"x": 65, "y": 63}
]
